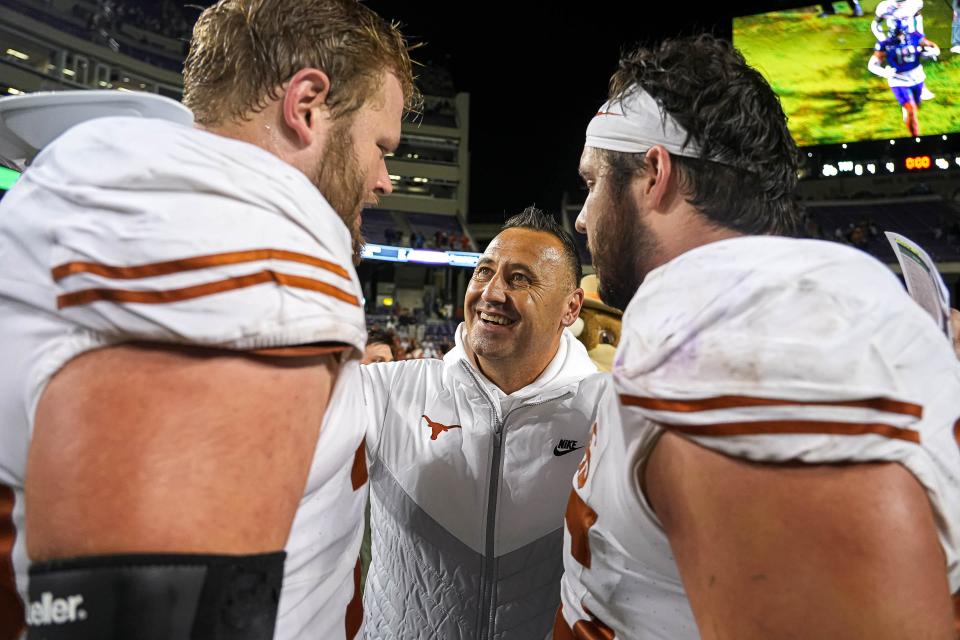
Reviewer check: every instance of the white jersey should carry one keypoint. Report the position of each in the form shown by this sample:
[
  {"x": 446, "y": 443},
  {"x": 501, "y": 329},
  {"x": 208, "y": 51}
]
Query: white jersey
[
  {"x": 141, "y": 229},
  {"x": 891, "y": 14},
  {"x": 790, "y": 351}
]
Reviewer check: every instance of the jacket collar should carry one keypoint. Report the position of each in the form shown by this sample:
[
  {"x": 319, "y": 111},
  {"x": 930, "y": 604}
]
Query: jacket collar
[{"x": 569, "y": 366}]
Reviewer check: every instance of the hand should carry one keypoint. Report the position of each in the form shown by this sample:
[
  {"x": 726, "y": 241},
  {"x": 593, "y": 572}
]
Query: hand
[{"x": 931, "y": 52}]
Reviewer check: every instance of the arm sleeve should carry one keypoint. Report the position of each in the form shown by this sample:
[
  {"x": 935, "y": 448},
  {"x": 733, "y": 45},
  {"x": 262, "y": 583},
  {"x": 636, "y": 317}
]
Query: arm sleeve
[
  {"x": 378, "y": 382},
  {"x": 800, "y": 371},
  {"x": 193, "y": 249}
]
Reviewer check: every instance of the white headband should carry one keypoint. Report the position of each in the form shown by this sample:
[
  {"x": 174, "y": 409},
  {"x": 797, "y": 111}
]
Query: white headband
[{"x": 634, "y": 123}]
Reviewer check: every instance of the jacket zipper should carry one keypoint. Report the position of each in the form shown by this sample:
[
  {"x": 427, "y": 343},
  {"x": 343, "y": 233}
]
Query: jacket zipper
[
  {"x": 485, "y": 608},
  {"x": 487, "y": 611}
]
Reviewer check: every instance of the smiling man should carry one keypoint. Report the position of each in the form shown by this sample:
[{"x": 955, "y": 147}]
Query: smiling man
[{"x": 471, "y": 457}]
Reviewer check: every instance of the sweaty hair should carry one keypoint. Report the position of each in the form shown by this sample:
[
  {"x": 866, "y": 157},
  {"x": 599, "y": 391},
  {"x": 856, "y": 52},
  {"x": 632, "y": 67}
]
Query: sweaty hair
[
  {"x": 728, "y": 109},
  {"x": 380, "y": 336},
  {"x": 243, "y": 51},
  {"x": 537, "y": 220}
]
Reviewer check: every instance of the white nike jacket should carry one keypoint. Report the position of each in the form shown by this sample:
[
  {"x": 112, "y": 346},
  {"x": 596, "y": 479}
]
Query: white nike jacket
[{"x": 468, "y": 491}]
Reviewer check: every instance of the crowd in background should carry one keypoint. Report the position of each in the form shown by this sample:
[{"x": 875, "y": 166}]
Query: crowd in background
[{"x": 440, "y": 240}]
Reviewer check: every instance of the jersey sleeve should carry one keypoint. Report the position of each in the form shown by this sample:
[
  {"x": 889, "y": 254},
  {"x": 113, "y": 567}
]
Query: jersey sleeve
[
  {"x": 378, "y": 382},
  {"x": 193, "y": 246},
  {"x": 833, "y": 365}
]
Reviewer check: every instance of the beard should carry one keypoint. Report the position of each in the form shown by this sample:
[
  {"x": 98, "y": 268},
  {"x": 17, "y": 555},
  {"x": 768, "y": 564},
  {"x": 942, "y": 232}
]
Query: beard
[
  {"x": 623, "y": 247},
  {"x": 341, "y": 181}
]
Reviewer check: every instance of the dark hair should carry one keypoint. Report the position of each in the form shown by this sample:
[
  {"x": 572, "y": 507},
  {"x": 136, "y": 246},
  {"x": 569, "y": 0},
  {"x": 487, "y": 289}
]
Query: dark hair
[
  {"x": 381, "y": 336},
  {"x": 537, "y": 220},
  {"x": 746, "y": 175}
]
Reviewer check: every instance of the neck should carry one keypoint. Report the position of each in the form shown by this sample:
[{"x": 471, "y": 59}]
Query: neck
[
  {"x": 261, "y": 129},
  {"x": 690, "y": 230},
  {"x": 508, "y": 374}
]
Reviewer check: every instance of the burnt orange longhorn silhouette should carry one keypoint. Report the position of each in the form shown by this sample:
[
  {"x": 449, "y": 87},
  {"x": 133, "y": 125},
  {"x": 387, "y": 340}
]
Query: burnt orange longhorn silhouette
[{"x": 436, "y": 428}]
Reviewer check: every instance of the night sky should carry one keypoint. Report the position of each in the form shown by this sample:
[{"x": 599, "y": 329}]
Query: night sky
[{"x": 536, "y": 72}]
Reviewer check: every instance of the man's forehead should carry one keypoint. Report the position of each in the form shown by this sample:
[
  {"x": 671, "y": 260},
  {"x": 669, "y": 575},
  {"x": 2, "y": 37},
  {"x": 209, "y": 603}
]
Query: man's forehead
[
  {"x": 524, "y": 247},
  {"x": 588, "y": 160},
  {"x": 393, "y": 111},
  {"x": 383, "y": 111}
]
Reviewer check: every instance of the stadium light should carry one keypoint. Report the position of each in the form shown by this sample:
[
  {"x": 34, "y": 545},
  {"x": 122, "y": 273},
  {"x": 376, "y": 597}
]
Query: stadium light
[
  {"x": 957, "y": 159},
  {"x": 829, "y": 170},
  {"x": 858, "y": 170},
  {"x": 893, "y": 142},
  {"x": 844, "y": 145},
  {"x": 944, "y": 136},
  {"x": 917, "y": 139},
  {"x": 890, "y": 167},
  {"x": 943, "y": 164},
  {"x": 872, "y": 168},
  {"x": 809, "y": 155},
  {"x": 17, "y": 54},
  {"x": 421, "y": 256}
]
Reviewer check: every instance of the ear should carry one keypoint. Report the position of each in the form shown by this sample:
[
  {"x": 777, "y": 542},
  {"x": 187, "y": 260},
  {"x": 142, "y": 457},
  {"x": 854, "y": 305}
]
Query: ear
[
  {"x": 577, "y": 327},
  {"x": 572, "y": 310},
  {"x": 657, "y": 176},
  {"x": 305, "y": 109}
]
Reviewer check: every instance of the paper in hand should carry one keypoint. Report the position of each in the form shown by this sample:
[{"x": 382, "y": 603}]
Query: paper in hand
[{"x": 924, "y": 283}]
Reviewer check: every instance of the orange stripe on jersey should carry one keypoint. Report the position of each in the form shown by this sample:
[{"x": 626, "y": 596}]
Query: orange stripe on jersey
[
  {"x": 12, "y": 615},
  {"x": 561, "y": 630},
  {"x": 583, "y": 469},
  {"x": 88, "y": 296},
  {"x": 734, "y": 402},
  {"x": 191, "y": 264},
  {"x": 358, "y": 475},
  {"x": 592, "y": 629},
  {"x": 579, "y": 518},
  {"x": 354, "y": 617},
  {"x": 776, "y": 427}
]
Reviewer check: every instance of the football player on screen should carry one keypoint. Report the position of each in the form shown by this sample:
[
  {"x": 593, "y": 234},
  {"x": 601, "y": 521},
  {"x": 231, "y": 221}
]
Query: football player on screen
[
  {"x": 898, "y": 59},
  {"x": 903, "y": 14}
]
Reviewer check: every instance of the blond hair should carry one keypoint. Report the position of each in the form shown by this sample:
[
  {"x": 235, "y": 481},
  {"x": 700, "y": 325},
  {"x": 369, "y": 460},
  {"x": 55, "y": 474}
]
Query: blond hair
[{"x": 244, "y": 51}]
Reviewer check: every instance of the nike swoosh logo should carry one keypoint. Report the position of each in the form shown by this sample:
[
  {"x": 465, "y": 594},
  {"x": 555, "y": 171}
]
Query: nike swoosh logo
[{"x": 557, "y": 451}]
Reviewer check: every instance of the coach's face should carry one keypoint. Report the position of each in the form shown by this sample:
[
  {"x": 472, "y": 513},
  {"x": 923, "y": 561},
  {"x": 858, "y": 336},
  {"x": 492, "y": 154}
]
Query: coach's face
[{"x": 518, "y": 300}]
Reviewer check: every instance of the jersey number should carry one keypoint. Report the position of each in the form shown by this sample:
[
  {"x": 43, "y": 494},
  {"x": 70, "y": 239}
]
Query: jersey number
[{"x": 906, "y": 55}]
